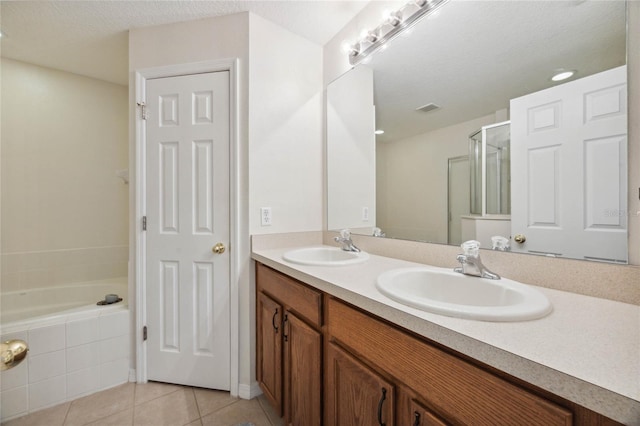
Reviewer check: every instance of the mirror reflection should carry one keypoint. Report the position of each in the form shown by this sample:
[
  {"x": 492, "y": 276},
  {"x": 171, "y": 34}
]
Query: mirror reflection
[{"x": 479, "y": 141}]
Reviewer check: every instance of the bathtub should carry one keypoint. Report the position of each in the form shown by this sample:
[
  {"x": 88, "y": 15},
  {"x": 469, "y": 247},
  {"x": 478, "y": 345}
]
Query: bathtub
[
  {"x": 50, "y": 301},
  {"x": 75, "y": 346}
]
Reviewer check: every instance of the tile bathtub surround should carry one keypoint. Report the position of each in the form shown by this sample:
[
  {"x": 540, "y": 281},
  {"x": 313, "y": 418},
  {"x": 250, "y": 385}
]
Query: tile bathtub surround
[
  {"x": 28, "y": 270},
  {"x": 155, "y": 404},
  {"x": 66, "y": 361}
]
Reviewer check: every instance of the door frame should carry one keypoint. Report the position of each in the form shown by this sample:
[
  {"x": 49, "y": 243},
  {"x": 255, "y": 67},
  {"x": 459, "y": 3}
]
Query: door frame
[
  {"x": 450, "y": 162},
  {"x": 137, "y": 280}
]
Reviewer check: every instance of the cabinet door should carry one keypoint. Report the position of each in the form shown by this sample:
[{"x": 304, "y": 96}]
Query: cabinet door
[
  {"x": 420, "y": 416},
  {"x": 303, "y": 375},
  {"x": 355, "y": 394},
  {"x": 269, "y": 349}
]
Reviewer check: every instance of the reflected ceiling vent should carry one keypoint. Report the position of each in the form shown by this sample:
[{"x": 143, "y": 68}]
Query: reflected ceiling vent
[{"x": 428, "y": 107}]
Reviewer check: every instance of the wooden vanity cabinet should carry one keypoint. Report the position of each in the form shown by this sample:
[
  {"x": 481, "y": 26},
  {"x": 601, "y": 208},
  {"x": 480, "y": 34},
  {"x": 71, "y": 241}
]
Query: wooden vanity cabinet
[
  {"x": 323, "y": 362},
  {"x": 457, "y": 391},
  {"x": 355, "y": 394},
  {"x": 289, "y": 346},
  {"x": 411, "y": 410},
  {"x": 269, "y": 349}
]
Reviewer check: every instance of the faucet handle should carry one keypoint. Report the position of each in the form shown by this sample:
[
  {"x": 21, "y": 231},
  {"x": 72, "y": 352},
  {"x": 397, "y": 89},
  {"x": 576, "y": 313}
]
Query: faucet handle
[
  {"x": 345, "y": 233},
  {"x": 471, "y": 248}
]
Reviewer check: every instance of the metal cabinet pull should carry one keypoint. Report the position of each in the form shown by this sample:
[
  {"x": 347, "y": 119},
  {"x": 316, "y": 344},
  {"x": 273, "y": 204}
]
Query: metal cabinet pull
[
  {"x": 382, "y": 398},
  {"x": 416, "y": 416},
  {"x": 284, "y": 322},
  {"x": 273, "y": 321}
]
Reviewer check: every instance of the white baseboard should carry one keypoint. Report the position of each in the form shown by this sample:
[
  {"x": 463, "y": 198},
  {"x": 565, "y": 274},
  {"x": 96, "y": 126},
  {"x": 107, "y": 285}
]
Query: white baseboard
[{"x": 249, "y": 391}]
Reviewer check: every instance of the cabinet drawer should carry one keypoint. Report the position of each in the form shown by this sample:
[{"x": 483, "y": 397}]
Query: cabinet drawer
[
  {"x": 460, "y": 391},
  {"x": 299, "y": 298}
]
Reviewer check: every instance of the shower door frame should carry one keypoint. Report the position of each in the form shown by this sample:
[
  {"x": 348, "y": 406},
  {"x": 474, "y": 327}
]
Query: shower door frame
[{"x": 137, "y": 279}]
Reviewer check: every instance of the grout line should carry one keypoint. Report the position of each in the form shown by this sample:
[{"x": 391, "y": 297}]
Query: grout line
[{"x": 197, "y": 405}]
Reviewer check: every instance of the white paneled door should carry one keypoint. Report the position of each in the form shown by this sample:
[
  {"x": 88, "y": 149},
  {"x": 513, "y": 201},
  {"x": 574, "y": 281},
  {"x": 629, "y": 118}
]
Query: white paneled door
[
  {"x": 569, "y": 157},
  {"x": 187, "y": 205}
]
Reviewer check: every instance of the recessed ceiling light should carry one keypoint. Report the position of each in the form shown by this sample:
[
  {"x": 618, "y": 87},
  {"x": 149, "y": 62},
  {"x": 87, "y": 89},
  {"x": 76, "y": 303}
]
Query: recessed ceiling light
[
  {"x": 379, "y": 132},
  {"x": 563, "y": 75}
]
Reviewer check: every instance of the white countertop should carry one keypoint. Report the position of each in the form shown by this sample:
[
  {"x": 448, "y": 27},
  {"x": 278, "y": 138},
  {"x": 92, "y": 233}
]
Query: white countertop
[{"x": 587, "y": 350}]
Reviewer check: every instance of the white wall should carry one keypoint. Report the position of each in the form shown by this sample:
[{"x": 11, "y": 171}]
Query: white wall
[
  {"x": 64, "y": 211},
  {"x": 414, "y": 172},
  {"x": 285, "y": 129},
  {"x": 351, "y": 151}
]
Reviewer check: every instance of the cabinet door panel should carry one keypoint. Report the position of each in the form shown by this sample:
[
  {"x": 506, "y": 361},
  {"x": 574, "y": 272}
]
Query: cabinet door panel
[
  {"x": 269, "y": 350},
  {"x": 460, "y": 391},
  {"x": 303, "y": 373},
  {"x": 420, "y": 416},
  {"x": 356, "y": 395},
  {"x": 305, "y": 301}
]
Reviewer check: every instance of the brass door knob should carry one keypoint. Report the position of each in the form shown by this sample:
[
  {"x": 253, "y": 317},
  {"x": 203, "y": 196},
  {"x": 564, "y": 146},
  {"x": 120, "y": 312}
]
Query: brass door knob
[
  {"x": 218, "y": 248},
  {"x": 519, "y": 238},
  {"x": 12, "y": 352}
]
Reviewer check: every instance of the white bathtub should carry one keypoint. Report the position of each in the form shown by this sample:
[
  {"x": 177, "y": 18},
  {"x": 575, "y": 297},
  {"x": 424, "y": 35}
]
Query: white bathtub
[
  {"x": 47, "y": 301},
  {"x": 75, "y": 346}
]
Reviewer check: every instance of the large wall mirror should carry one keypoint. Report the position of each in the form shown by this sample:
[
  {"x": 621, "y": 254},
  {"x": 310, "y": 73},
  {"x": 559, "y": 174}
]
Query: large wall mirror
[{"x": 479, "y": 141}]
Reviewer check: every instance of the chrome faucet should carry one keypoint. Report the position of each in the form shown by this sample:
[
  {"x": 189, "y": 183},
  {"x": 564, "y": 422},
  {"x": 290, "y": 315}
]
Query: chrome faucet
[
  {"x": 471, "y": 263},
  {"x": 345, "y": 240}
]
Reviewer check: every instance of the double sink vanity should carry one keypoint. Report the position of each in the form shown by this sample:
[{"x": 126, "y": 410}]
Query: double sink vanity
[{"x": 357, "y": 338}]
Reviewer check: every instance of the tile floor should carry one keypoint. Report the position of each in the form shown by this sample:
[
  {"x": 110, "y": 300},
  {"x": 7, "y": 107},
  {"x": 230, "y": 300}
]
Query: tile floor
[{"x": 154, "y": 404}]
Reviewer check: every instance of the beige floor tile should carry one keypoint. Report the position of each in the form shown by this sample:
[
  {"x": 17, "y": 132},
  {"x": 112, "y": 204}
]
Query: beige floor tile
[
  {"x": 195, "y": 423},
  {"x": 100, "y": 405},
  {"x": 239, "y": 412},
  {"x": 123, "y": 418},
  {"x": 176, "y": 408},
  {"x": 53, "y": 416},
  {"x": 270, "y": 411},
  {"x": 212, "y": 400},
  {"x": 152, "y": 390}
]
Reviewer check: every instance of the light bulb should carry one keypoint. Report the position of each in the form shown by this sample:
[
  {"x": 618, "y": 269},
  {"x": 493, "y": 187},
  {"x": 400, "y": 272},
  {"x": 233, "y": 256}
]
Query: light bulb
[{"x": 394, "y": 18}]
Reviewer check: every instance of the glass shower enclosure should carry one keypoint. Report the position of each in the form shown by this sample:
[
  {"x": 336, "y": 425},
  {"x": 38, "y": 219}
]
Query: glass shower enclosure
[{"x": 490, "y": 167}]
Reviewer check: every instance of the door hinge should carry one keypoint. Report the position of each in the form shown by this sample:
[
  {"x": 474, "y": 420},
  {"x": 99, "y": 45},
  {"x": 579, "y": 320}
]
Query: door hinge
[
  {"x": 144, "y": 223},
  {"x": 143, "y": 110},
  {"x": 144, "y": 333}
]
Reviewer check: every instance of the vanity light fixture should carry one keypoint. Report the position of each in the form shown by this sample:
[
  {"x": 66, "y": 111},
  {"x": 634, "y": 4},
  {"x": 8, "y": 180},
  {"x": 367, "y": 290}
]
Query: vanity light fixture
[
  {"x": 379, "y": 132},
  {"x": 563, "y": 75},
  {"x": 394, "y": 23}
]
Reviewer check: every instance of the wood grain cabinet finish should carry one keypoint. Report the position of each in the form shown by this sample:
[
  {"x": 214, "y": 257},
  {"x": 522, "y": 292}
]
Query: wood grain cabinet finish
[
  {"x": 375, "y": 373},
  {"x": 269, "y": 350},
  {"x": 355, "y": 394},
  {"x": 460, "y": 392},
  {"x": 303, "y": 373},
  {"x": 420, "y": 416},
  {"x": 289, "y": 346}
]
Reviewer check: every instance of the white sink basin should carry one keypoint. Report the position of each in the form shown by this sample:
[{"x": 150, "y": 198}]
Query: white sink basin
[
  {"x": 445, "y": 292},
  {"x": 324, "y": 256}
]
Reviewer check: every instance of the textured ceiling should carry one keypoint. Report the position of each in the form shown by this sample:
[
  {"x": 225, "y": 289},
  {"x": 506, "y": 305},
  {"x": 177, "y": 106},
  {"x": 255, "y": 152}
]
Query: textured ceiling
[
  {"x": 472, "y": 57},
  {"x": 90, "y": 37}
]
